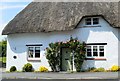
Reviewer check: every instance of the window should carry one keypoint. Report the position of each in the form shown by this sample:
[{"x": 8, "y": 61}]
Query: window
[
  {"x": 95, "y": 21},
  {"x": 91, "y": 21},
  {"x": 33, "y": 52},
  {"x": 37, "y": 52},
  {"x": 95, "y": 51},
  {"x": 30, "y": 52},
  {"x": 88, "y": 21},
  {"x": 101, "y": 51},
  {"x": 89, "y": 52}
]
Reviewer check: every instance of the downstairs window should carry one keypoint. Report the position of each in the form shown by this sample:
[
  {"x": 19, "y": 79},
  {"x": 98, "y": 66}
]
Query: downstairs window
[
  {"x": 33, "y": 52},
  {"x": 95, "y": 51}
]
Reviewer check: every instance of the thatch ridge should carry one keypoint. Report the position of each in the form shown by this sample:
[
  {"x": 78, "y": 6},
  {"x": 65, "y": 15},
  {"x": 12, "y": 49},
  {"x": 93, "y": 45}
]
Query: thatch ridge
[{"x": 59, "y": 16}]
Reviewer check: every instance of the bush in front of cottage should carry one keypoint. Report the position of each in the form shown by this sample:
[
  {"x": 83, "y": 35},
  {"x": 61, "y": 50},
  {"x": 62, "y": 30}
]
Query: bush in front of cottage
[
  {"x": 115, "y": 68},
  {"x": 98, "y": 70},
  {"x": 27, "y": 68},
  {"x": 13, "y": 69},
  {"x": 43, "y": 69}
]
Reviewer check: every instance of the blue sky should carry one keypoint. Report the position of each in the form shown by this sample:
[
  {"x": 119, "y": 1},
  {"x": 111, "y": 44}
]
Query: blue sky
[{"x": 8, "y": 10}]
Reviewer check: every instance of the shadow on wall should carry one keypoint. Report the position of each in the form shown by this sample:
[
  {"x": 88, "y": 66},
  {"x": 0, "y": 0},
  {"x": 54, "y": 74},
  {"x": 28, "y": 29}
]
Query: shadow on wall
[
  {"x": 88, "y": 64},
  {"x": 17, "y": 48}
]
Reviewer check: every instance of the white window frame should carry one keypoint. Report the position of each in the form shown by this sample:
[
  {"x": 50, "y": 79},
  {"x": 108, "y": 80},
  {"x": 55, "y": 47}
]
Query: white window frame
[
  {"x": 34, "y": 58},
  {"x": 97, "y": 52},
  {"x": 92, "y": 21}
]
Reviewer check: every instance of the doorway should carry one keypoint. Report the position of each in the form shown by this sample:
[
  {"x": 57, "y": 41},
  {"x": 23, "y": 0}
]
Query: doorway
[{"x": 66, "y": 60}]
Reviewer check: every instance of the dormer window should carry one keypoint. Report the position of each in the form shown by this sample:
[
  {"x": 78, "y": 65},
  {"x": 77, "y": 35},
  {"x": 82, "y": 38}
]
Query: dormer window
[
  {"x": 91, "y": 21},
  {"x": 88, "y": 21}
]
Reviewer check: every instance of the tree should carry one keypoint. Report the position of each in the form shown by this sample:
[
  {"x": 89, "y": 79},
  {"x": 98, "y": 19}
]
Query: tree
[{"x": 3, "y": 46}]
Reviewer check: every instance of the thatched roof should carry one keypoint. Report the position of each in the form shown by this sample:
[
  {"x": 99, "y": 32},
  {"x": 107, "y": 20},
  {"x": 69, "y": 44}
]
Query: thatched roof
[{"x": 59, "y": 16}]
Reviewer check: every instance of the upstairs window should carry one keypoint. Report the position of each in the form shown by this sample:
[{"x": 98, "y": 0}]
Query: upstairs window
[
  {"x": 91, "y": 21},
  {"x": 88, "y": 21},
  {"x": 95, "y": 21}
]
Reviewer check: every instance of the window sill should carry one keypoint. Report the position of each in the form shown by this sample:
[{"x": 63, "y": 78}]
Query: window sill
[
  {"x": 92, "y": 26},
  {"x": 33, "y": 59},
  {"x": 95, "y": 58}
]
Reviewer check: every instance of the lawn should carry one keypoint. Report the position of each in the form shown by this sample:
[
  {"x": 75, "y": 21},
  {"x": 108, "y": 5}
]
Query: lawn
[{"x": 4, "y": 59}]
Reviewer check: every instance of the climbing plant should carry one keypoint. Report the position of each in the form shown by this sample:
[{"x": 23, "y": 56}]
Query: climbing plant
[{"x": 77, "y": 48}]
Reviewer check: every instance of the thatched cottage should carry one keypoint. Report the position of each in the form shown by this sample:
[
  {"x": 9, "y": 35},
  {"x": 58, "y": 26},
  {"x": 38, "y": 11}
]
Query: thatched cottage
[{"x": 40, "y": 23}]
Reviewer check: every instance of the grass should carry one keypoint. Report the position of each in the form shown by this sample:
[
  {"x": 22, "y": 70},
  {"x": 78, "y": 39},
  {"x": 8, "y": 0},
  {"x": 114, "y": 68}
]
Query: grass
[{"x": 4, "y": 59}]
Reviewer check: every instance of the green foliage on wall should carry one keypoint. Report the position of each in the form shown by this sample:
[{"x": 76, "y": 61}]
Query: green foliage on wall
[{"x": 78, "y": 49}]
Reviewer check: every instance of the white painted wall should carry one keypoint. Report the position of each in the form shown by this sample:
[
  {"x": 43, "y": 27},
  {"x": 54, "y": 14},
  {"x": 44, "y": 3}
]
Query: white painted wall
[{"x": 103, "y": 34}]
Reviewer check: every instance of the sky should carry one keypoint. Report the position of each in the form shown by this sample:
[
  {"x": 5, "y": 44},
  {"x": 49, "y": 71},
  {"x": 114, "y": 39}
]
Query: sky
[{"x": 8, "y": 10}]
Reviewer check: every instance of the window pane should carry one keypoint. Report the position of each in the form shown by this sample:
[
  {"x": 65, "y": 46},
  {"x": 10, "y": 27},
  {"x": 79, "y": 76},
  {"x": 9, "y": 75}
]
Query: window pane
[
  {"x": 37, "y": 52},
  {"x": 101, "y": 54},
  {"x": 88, "y": 21},
  {"x": 30, "y": 52},
  {"x": 101, "y": 49},
  {"x": 94, "y": 48},
  {"x": 95, "y": 52},
  {"x": 95, "y": 21},
  {"x": 89, "y": 54},
  {"x": 88, "y": 47}
]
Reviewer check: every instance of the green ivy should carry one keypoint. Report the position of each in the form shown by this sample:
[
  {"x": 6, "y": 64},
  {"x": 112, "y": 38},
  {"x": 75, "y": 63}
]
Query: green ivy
[{"x": 78, "y": 49}]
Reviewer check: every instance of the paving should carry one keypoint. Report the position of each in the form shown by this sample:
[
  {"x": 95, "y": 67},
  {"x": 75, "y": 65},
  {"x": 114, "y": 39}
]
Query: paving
[{"x": 60, "y": 75}]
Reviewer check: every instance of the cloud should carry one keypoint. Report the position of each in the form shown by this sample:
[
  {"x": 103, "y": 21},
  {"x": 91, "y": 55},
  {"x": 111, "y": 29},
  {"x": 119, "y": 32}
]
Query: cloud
[{"x": 3, "y": 7}]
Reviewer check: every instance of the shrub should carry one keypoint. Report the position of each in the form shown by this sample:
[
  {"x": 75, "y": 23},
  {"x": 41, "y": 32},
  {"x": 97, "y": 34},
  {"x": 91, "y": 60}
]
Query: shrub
[
  {"x": 13, "y": 69},
  {"x": 43, "y": 69},
  {"x": 119, "y": 68},
  {"x": 27, "y": 68},
  {"x": 107, "y": 70},
  {"x": 115, "y": 68},
  {"x": 98, "y": 70},
  {"x": 88, "y": 69},
  {"x": 91, "y": 69}
]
